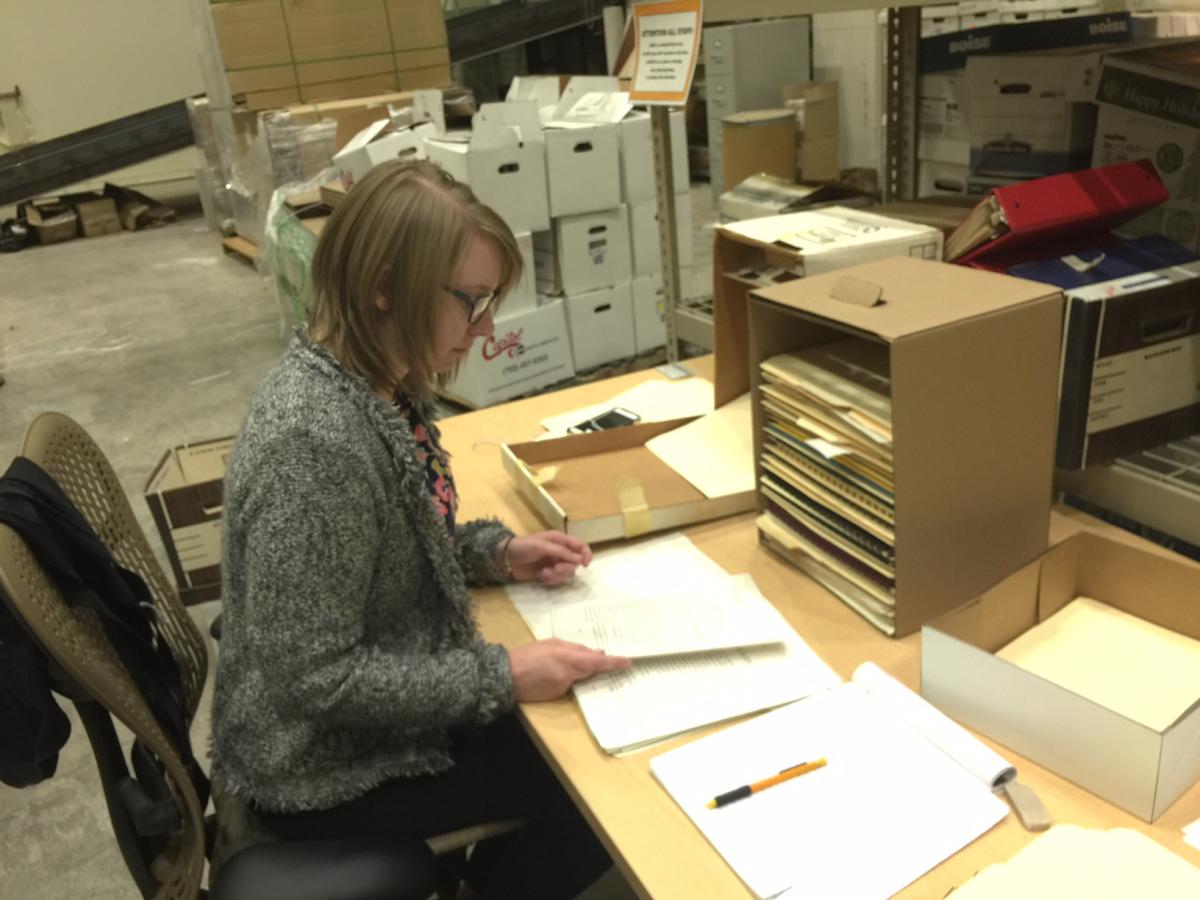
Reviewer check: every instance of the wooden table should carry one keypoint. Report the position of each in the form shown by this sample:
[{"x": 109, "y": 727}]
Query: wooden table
[{"x": 657, "y": 848}]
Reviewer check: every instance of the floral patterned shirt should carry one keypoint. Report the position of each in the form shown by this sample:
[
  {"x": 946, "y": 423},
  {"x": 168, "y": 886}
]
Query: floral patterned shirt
[{"x": 436, "y": 461}]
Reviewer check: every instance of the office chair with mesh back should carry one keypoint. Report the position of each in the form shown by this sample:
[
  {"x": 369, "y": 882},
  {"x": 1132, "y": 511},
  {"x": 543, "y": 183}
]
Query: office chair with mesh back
[{"x": 156, "y": 810}]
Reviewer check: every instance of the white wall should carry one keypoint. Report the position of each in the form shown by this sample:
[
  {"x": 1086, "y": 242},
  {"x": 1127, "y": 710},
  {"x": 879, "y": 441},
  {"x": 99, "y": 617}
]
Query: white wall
[{"x": 83, "y": 62}]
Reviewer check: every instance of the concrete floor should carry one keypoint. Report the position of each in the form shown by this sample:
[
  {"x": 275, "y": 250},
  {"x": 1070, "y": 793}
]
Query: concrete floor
[{"x": 149, "y": 340}]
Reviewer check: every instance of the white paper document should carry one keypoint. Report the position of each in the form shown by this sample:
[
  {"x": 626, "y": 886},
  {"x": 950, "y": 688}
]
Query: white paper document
[
  {"x": 680, "y": 623},
  {"x": 887, "y": 807},
  {"x": 1071, "y": 861},
  {"x": 715, "y": 453},
  {"x": 665, "y": 695}
]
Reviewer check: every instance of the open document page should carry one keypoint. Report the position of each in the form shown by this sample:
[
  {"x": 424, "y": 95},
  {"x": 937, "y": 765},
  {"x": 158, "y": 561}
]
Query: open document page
[
  {"x": 723, "y": 616},
  {"x": 888, "y": 806},
  {"x": 715, "y": 453},
  {"x": 666, "y": 695}
]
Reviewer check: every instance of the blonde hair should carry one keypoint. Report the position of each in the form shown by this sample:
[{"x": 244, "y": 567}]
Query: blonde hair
[{"x": 399, "y": 234}]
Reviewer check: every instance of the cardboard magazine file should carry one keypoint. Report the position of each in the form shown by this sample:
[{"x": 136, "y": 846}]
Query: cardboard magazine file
[
  {"x": 185, "y": 494},
  {"x": 973, "y": 363},
  {"x": 1141, "y": 769}
]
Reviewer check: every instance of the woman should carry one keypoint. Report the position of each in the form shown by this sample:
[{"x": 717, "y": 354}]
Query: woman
[{"x": 354, "y": 693}]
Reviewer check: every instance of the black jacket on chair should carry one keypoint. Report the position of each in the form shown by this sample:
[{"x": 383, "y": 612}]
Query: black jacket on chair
[{"x": 33, "y": 728}]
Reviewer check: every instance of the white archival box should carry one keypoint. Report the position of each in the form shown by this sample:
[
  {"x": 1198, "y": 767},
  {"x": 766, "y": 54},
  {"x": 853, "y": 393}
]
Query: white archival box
[
  {"x": 504, "y": 162},
  {"x": 601, "y": 325},
  {"x": 371, "y": 146},
  {"x": 528, "y": 350},
  {"x": 584, "y": 252}
]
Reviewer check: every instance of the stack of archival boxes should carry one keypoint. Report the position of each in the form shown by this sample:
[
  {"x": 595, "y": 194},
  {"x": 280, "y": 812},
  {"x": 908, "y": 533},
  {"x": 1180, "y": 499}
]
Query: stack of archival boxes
[
  {"x": 997, "y": 104},
  {"x": 573, "y": 176},
  {"x": 601, "y": 253}
]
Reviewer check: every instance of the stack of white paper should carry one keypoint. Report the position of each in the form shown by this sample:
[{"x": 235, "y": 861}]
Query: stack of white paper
[
  {"x": 672, "y": 688},
  {"x": 893, "y": 801}
]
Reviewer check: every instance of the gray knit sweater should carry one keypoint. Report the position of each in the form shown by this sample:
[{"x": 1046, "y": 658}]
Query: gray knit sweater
[{"x": 348, "y": 644}]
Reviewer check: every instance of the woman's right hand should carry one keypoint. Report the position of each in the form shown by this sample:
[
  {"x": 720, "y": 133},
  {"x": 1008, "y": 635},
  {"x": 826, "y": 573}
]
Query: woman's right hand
[{"x": 545, "y": 670}]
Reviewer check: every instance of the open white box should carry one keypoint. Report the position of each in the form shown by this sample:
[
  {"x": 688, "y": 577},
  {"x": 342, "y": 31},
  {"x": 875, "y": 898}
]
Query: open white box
[{"x": 1138, "y": 768}]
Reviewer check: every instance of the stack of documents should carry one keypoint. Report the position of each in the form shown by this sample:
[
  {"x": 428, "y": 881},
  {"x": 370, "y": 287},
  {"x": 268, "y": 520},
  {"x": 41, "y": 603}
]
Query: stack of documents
[
  {"x": 903, "y": 788},
  {"x": 707, "y": 646},
  {"x": 827, "y": 476}
]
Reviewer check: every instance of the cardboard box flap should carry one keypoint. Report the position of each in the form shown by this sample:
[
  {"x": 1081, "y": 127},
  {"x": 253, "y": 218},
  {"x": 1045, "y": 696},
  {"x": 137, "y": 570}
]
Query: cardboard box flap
[
  {"x": 506, "y": 125},
  {"x": 1150, "y": 589},
  {"x": 365, "y": 136},
  {"x": 908, "y": 303}
]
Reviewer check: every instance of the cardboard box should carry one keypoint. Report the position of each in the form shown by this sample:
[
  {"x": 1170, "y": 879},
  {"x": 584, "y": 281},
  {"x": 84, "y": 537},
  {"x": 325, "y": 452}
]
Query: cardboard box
[
  {"x": 376, "y": 144},
  {"x": 1131, "y": 358},
  {"x": 815, "y": 105},
  {"x": 583, "y": 169},
  {"x": 185, "y": 494},
  {"x": 98, "y": 217},
  {"x": 524, "y": 296},
  {"x": 1032, "y": 115},
  {"x": 528, "y": 350},
  {"x": 637, "y": 156},
  {"x": 583, "y": 252},
  {"x": 802, "y": 244},
  {"x": 650, "y": 310},
  {"x": 1148, "y": 110},
  {"x": 972, "y": 357},
  {"x": 280, "y": 53},
  {"x": 51, "y": 220},
  {"x": 607, "y": 486},
  {"x": 983, "y": 34},
  {"x": 940, "y": 19},
  {"x": 1140, "y": 769},
  {"x": 942, "y": 179},
  {"x": 943, "y": 134},
  {"x": 758, "y": 141},
  {"x": 504, "y": 162},
  {"x": 601, "y": 325},
  {"x": 644, "y": 239}
]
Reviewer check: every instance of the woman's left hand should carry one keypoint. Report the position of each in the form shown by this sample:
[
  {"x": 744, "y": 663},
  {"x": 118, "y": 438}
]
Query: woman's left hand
[{"x": 550, "y": 557}]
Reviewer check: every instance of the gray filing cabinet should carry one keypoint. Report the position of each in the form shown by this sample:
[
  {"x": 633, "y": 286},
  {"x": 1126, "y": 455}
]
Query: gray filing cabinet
[{"x": 745, "y": 66}]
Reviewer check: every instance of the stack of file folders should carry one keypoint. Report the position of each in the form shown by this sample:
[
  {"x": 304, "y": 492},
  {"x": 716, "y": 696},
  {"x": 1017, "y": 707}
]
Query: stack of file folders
[{"x": 826, "y": 473}]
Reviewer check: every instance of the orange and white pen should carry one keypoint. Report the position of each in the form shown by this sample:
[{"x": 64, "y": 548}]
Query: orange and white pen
[{"x": 746, "y": 790}]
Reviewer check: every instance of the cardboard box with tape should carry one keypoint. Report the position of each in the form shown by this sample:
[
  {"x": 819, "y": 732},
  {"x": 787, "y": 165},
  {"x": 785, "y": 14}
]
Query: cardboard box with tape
[{"x": 185, "y": 495}]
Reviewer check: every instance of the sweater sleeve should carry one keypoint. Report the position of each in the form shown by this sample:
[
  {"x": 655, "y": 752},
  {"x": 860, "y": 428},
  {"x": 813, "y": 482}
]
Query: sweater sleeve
[
  {"x": 313, "y": 534},
  {"x": 475, "y": 544}
]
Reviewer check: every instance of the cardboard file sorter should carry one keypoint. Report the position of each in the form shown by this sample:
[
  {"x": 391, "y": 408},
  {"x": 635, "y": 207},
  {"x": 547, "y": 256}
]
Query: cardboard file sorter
[
  {"x": 1139, "y": 768},
  {"x": 972, "y": 361}
]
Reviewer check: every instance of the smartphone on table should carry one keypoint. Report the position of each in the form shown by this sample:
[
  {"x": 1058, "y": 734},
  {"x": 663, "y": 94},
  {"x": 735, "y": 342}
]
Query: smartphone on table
[{"x": 612, "y": 418}]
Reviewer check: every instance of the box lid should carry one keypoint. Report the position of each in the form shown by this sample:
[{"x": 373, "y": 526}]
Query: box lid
[{"x": 909, "y": 304}]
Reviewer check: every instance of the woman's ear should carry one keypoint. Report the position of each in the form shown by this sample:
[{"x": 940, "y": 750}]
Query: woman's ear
[{"x": 382, "y": 304}]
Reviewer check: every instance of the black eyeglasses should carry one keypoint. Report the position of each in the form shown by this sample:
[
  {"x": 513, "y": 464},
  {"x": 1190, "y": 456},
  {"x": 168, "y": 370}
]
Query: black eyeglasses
[{"x": 477, "y": 307}]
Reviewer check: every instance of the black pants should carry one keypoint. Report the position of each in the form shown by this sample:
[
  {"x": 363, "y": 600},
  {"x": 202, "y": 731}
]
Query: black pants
[{"x": 498, "y": 774}]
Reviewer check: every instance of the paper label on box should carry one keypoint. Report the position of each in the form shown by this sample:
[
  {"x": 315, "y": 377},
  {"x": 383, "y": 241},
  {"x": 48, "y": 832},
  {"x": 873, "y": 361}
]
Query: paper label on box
[
  {"x": 1141, "y": 384},
  {"x": 198, "y": 546},
  {"x": 597, "y": 250}
]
